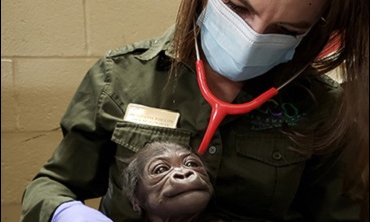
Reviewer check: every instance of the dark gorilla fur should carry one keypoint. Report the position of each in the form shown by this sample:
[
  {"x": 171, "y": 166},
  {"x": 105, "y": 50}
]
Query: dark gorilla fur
[{"x": 136, "y": 174}]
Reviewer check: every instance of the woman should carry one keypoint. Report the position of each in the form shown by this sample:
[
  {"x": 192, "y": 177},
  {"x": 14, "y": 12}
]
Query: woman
[{"x": 284, "y": 161}]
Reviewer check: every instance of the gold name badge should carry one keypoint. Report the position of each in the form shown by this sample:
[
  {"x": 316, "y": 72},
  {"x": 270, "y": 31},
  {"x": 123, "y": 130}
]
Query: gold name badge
[{"x": 146, "y": 115}]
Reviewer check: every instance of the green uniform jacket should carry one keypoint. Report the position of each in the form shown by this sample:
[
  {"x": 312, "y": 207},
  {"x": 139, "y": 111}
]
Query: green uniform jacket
[{"x": 258, "y": 177}]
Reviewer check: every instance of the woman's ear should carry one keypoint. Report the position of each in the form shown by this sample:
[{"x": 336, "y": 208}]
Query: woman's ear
[{"x": 136, "y": 205}]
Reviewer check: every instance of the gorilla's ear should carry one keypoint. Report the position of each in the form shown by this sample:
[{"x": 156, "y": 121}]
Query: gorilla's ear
[{"x": 136, "y": 206}]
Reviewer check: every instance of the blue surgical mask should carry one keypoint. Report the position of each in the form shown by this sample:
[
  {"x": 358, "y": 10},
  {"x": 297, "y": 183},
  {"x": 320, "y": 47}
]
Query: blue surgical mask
[{"x": 235, "y": 50}]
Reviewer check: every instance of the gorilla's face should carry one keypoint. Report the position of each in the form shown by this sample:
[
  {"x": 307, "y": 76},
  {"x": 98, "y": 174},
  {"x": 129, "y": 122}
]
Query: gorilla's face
[{"x": 174, "y": 182}]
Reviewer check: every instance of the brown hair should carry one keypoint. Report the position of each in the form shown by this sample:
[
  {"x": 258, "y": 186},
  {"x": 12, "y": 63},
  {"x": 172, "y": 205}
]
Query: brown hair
[{"x": 344, "y": 22}]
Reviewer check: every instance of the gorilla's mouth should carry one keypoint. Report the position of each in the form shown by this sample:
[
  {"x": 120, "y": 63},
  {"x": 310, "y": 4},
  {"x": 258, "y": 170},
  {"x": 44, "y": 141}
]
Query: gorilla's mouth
[
  {"x": 174, "y": 194},
  {"x": 184, "y": 189}
]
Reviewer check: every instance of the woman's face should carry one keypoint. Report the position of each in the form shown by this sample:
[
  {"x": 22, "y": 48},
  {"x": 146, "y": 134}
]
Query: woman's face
[{"x": 291, "y": 17}]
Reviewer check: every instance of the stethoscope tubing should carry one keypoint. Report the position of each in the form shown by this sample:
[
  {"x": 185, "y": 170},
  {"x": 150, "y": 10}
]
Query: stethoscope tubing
[{"x": 220, "y": 108}]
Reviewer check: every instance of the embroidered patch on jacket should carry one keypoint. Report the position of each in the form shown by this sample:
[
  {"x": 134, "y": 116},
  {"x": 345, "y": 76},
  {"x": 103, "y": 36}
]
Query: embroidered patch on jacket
[{"x": 275, "y": 115}]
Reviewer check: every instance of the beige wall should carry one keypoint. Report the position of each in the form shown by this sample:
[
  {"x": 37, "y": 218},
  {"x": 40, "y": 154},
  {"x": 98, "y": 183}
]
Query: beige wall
[{"x": 46, "y": 48}]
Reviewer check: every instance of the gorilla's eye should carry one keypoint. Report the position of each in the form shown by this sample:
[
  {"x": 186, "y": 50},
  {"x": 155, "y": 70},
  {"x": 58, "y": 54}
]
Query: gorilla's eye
[
  {"x": 161, "y": 169},
  {"x": 191, "y": 164}
]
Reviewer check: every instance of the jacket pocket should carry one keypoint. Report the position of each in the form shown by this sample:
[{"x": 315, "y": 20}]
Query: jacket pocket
[
  {"x": 134, "y": 136},
  {"x": 273, "y": 171},
  {"x": 131, "y": 137},
  {"x": 273, "y": 149}
]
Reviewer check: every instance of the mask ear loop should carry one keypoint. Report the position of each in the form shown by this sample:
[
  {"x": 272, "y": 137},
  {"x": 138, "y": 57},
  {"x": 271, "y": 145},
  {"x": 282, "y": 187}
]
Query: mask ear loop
[{"x": 220, "y": 108}]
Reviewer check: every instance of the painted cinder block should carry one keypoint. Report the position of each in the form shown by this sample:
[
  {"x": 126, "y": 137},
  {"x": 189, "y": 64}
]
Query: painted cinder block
[{"x": 42, "y": 28}]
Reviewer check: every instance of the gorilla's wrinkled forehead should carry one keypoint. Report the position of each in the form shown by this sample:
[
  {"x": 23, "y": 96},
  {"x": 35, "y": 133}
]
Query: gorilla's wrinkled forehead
[{"x": 158, "y": 148}]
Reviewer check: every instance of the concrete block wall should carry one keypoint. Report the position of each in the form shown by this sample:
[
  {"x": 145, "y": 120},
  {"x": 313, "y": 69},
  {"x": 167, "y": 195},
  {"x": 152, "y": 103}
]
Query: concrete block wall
[{"x": 47, "y": 46}]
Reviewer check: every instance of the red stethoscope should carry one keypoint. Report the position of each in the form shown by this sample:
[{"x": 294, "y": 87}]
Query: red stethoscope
[{"x": 220, "y": 108}]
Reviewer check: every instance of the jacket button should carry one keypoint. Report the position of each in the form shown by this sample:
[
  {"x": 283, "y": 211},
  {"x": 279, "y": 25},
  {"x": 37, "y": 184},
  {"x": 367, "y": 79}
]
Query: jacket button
[
  {"x": 212, "y": 150},
  {"x": 277, "y": 155}
]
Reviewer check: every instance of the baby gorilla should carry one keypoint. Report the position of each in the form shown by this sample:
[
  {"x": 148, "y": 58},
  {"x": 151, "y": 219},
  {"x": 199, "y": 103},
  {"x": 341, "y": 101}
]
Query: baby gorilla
[{"x": 167, "y": 182}]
